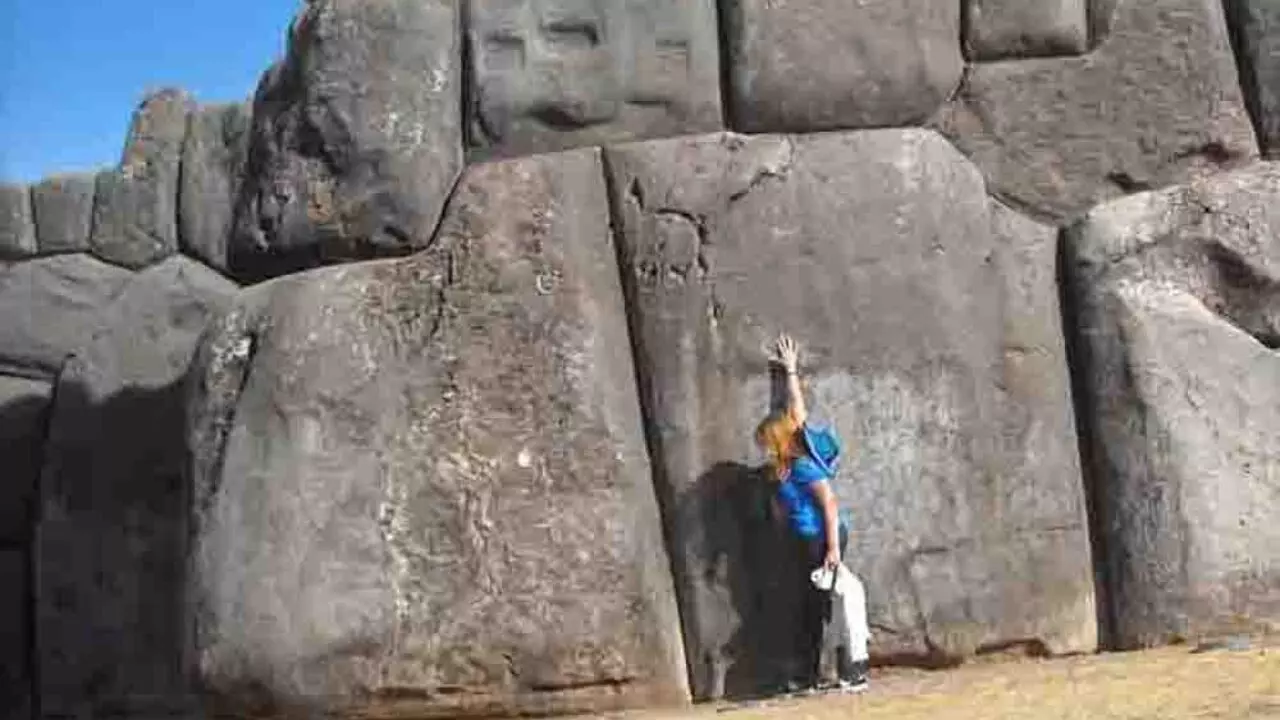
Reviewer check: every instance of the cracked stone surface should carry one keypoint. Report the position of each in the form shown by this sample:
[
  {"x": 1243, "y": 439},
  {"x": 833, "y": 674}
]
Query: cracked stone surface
[
  {"x": 925, "y": 312},
  {"x": 1178, "y": 306},
  {"x": 458, "y": 433},
  {"x": 553, "y": 74},
  {"x": 1157, "y": 102},
  {"x": 836, "y": 64},
  {"x": 135, "y": 214}
]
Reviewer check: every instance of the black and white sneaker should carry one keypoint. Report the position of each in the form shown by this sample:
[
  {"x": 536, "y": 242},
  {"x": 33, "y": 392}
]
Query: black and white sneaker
[
  {"x": 853, "y": 687},
  {"x": 856, "y": 680}
]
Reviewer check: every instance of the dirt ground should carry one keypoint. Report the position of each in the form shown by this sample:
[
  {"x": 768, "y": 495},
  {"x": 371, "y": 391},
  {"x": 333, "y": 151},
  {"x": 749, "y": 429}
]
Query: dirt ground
[{"x": 1167, "y": 684}]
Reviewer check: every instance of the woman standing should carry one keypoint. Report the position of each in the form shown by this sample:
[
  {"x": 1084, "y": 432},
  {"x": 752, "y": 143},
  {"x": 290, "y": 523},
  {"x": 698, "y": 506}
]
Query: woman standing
[{"x": 802, "y": 461}]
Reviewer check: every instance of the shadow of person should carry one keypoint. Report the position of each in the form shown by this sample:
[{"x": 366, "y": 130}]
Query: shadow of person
[{"x": 743, "y": 566}]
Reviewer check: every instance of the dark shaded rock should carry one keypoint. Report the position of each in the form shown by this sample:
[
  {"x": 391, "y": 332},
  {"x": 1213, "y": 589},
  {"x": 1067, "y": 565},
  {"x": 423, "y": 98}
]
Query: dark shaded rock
[
  {"x": 1003, "y": 29},
  {"x": 421, "y": 485},
  {"x": 357, "y": 137},
  {"x": 135, "y": 213},
  {"x": 1158, "y": 102},
  {"x": 839, "y": 64},
  {"x": 15, "y": 637},
  {"x": 63, "y": 208},
  {"x": 880, "y": 252},
  {"x": 112, "y": 536},
  {"x": 17, "y": 231},
  {"x": 213, "y": 159},
  {"x": 1255, "y": 25},
  {"x": 23, "y": 417},
  {"x": 554, "y": 74},
  {"x": 53, "y": 306},
  {"x": 1178, "y": 301}
]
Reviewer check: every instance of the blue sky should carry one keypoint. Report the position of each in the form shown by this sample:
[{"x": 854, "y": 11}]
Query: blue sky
[{"x": 72, "y": 71}]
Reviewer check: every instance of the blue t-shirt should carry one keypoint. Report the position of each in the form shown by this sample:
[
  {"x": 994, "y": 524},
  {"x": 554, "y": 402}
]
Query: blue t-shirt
[{"x": 795, "y": 493}]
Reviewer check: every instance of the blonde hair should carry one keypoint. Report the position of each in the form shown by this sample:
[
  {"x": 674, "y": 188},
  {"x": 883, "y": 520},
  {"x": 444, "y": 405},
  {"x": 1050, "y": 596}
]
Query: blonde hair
[{"x": 776, "y": 435}]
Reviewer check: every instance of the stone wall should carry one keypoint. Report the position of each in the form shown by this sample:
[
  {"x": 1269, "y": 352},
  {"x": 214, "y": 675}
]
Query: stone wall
[{"x": 498, "y": 459}]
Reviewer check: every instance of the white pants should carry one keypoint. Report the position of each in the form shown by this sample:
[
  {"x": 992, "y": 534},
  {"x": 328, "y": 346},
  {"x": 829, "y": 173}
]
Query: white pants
[{"x": 848, "y": 611}]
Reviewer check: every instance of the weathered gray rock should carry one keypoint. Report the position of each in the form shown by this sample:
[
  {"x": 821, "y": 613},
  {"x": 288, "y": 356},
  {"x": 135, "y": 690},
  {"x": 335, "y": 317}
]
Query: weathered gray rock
[
  {"x": 1003, "y": 29},
  {"x": 1158, "y": 102},
  {"x": 113, "y": 530},
  {"x": 878, "y": 251},
  {"x": 17, "y": 231},
  {"x": 135, "y": 213},
  {"x": 1256, "y": 25},
  {"x": 357, "y": 137},
  {"x": 63, "y": 208},
  {"x": 421, "y": 484},
  {"x": 15, "y": 676},
  {"x": 23, "y": 417},
  {"x": 213, "y": 160},
  {"x": 1038, "y": 445},
  {"x": 554, "y": 74},
  {"x": 1178, "y": 301},
  {"x": 837, "y": 64},
  {"x": 53, "y": 306}
]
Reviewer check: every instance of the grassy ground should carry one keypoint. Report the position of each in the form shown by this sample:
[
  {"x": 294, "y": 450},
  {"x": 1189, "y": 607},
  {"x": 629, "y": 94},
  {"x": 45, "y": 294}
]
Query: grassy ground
[{"x": 1168, "y": 684}]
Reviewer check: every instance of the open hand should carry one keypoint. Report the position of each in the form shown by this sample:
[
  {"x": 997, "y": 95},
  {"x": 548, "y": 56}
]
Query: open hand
[{"x": 786, "y": 353}]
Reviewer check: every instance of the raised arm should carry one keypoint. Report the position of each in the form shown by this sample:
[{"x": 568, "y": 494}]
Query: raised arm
[{"x": 788, "y": 355}]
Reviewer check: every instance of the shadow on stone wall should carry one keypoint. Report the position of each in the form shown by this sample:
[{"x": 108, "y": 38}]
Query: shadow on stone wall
[
  {"x": 111, "y": 546},
  {"x": 744, "y": 557},
  {"x": 23, "y": 418}
]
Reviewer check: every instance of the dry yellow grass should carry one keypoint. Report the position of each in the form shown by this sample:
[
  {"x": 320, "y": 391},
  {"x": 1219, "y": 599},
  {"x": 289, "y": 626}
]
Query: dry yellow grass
[{"x": 1168, "y": 684}]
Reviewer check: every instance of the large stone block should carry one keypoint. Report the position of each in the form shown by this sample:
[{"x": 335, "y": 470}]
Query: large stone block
[
  {"x": 356, "y": 139},
  {"x": 421, "y": 484},
  {"x": 1256, "y": 27},
  {"x": 23, "y": 418},
  {"x": 112, "y": 535},
  {"x": 213, "y": 160},
  {"x": 15, "y": 637},
  {"x": 1177, "y": 297},
  {"x": 1004, "y": 29},
  {"x": 830, "y": 64},
  {"x": 880, "y": 251},
  {"x": 51, "y": 307},
  {"x": 63, "y": 207},
  {"x": 554, "y": 74},
  {"x": 135, "y": 214},
  {"x": 17, "y": 230},
  {"x": 1157, "y": 102}
]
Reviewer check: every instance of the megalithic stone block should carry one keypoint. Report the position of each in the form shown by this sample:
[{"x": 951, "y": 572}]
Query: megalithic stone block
[
  {"x": 135, "y": 213},
  {"x": 554, "y": 74},
  {"x": 914, "y": 299},
  {"x": 1177, "y": 296},
  {"x": 421, "y": 484},
  {"x": 837, "y": 64}
]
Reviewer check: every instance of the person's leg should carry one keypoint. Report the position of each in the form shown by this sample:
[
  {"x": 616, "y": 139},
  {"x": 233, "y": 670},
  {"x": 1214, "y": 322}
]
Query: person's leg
[
  {"x": 852, "y": 665},
  {"x": 817, "y": 609}
]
